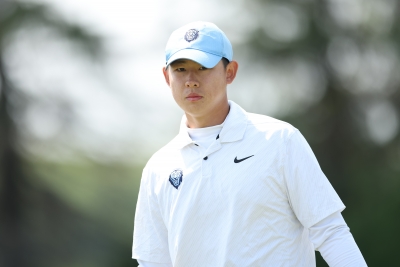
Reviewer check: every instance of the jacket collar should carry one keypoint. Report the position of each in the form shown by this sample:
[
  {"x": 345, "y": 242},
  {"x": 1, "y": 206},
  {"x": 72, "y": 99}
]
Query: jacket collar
[{"x": 233, "y": 128}]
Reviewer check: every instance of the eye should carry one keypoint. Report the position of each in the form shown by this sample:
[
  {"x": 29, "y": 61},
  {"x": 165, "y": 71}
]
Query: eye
[
  {"x": 203, "y": 68},
  {"x": 180, "y": 69}
]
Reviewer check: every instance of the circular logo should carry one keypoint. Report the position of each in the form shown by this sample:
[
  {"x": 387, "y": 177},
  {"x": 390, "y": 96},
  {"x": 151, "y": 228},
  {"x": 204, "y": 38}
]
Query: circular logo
[{"x": 191, "y": 35}]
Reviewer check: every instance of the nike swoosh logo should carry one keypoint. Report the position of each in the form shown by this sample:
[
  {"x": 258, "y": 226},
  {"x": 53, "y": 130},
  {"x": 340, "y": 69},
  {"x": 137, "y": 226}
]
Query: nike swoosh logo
[{"x": 240, "y": 160}]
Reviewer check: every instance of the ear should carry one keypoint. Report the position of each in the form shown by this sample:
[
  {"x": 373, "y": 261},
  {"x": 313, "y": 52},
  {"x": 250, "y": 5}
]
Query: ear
[
  {"x": 231, "y": 70},
  {"x": 166, "y": 74}
]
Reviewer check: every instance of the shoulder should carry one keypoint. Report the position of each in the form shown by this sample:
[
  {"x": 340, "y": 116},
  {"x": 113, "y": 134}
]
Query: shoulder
[{"x": 270, "y": 126}]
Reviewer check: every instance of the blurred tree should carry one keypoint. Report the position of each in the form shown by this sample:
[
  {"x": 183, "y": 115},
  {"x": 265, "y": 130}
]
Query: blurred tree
[
  {"x": 341, "y": 61},
  {"x": 36, "y": 227}
]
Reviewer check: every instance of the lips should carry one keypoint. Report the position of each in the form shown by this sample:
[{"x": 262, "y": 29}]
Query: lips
[{"x": 193, "y": 97}]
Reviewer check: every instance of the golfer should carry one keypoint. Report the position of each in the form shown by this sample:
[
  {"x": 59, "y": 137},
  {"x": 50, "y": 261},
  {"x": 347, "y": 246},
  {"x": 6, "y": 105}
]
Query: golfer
[{"x": 232, "y": 188}]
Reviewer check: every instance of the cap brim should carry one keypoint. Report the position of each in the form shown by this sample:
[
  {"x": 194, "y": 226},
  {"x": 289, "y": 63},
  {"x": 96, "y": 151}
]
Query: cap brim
[{"x": 205, "y": 59}]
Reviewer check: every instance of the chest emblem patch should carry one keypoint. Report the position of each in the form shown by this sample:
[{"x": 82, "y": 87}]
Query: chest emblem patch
[{"x": 175, "y": 178}]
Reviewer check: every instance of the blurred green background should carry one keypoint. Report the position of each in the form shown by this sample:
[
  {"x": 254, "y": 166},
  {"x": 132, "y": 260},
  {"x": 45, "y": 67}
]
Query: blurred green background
[{"x": 83, "y": 105}]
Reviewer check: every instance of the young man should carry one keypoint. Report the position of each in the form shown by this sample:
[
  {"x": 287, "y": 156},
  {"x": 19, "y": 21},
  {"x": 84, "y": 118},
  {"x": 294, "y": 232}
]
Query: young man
[{"x": 232, "y": 188}]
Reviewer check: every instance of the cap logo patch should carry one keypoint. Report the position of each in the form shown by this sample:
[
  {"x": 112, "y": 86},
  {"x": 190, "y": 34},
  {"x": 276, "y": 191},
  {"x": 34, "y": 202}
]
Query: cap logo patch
[
  {"x": 191, "y": 35},
  {"x": 175, "y": 178}
]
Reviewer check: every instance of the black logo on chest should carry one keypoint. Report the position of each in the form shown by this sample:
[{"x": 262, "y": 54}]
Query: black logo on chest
[{"x": 236, "y": 160}]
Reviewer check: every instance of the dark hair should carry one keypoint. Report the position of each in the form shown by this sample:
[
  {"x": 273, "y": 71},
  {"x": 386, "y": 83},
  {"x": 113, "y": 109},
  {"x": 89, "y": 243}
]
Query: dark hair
[{"x": 225, "y": 61}]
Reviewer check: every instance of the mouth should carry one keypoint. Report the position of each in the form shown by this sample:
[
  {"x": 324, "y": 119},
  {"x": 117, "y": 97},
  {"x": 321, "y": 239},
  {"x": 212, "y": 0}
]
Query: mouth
[{"x": 193, "y": 97}]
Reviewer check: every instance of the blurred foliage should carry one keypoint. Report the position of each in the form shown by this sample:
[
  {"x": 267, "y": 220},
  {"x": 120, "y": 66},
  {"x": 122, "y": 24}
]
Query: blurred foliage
[
  {"x": 57, "y": 214},
  {"x": 339, "y": 62}
]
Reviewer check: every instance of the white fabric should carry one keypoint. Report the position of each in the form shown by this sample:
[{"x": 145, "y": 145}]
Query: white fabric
[
  {"x": 326, "y": 228},
  {"x": 204, "y": 137},
  {"x": 333, "y": 239},
  {"x": 253, "y": 213},
  {"x": 342, "y": 251},
  {"x": 152, "y": 264}
]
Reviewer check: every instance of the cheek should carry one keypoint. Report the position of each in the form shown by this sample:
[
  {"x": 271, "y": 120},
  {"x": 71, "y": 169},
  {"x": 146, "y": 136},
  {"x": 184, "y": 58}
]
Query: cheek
[
  {"x": 173, "y": 85},
  {"x": 175, "y": 93},
  {"x": 178, "y": 92},
  {"x": 217, "y": 83}
]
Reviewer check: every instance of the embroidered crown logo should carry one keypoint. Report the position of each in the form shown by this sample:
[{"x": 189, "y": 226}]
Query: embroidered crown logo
[
  {"x": 191, "y": 35},
  {"x": 175, "y": 178}
]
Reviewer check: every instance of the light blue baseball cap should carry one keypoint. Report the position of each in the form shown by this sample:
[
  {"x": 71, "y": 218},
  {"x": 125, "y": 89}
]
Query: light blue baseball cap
[{"x": 202, "y": 42}]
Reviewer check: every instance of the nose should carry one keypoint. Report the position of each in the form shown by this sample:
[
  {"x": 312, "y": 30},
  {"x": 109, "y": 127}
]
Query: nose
[
  {"x": 191, "y": 81},
  {"x": 191, "y": 84}
]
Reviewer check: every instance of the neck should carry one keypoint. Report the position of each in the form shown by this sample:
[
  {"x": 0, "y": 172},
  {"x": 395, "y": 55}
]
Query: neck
[{"x": 215, "y": 117}]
